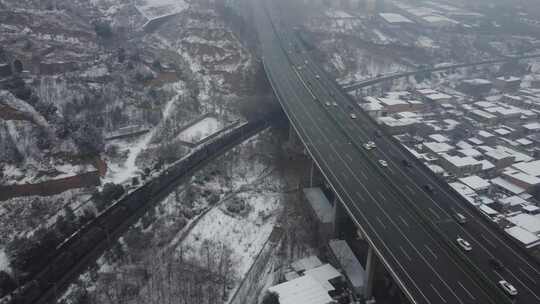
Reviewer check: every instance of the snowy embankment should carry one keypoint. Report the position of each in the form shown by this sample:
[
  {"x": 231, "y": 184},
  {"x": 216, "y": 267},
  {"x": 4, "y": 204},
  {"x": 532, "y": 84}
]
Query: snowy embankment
[{"x": 122, "y": 173}]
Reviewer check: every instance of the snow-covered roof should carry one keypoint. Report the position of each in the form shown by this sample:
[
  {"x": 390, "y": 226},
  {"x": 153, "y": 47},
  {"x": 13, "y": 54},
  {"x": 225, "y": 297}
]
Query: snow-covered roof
[
  {"x": 439, "y": 96},
  {"x": 502, "y": 131},
  {"x": 320, "y": 204},
  {"x": 303, "y": 290},
  {"x": 349, "y": 263},
  {"x": 526, "y": 221},
  {"x": 323, "y": 274},
  {"x": 520, "y": 157},
  {"x": 460, "y": 161},
  {"x": 513, "y": 200},
  {"x": 501, "y": 182},
  {"x": 523, "y": 177},
  {"x": 531, "y": 208},
  {"x": 488, "y": 210},
  {"x": 439, "y": 138},
  {"x": 486, "y": 164},
  {"x": 475, "y": 182},
  {"x": 395, "y": 18},
  {"x": 477, "y": 81},
  {"x": 532, "y": 167},
  {"x": 527, "y": 238},
  {"x": 462, "y": 189},
  {"x": 470, "y": 152},
  {"x": 464, "y": 145},
  {"x": 524, "y": 141},
  {"x": 533, "y": 126},
  {"x": 485, "y": 134},
  {"x": 437, "y": 147},
  {"x": 509, "y": 79},
  {"x": 439, "y": 19},
  {"x": 392, "y": 101},
  {"x": 304, "y": 264}
]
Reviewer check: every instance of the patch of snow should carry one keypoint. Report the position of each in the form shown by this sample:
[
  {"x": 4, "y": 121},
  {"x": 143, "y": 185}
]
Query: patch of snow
[
  {"x": 152, "y": 9},
  {"x": 122, "y": 173},
  {"x": 4, "y": 261},
  {"x": 201, "y": 130}
]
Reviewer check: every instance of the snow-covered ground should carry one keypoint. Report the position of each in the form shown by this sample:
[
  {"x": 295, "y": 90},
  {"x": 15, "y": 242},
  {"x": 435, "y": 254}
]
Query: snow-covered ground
[
  {"x": 201, "y": 130},
  {"x": 152, "y": 9},
  {"x": 120, "y": 173},
  {"x": 245, "y": 235}
]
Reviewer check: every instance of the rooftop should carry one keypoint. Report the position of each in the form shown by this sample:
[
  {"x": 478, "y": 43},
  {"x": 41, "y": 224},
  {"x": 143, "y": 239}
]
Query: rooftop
[
  {"x": 526, "y": 221},
  {"x": 525, "y": 237},
  {"x": 303, "y": 290},
  {"x": 395, "y": 18},
  {"x": 532, "y": 167},
  {"x": 437, "y": 147},
  {"x": 475, "y": 182},
  {"x": 320, "y": 204}
]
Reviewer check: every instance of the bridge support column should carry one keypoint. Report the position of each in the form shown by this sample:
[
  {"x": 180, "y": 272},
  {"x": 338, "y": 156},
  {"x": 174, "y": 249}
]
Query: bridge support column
[
  {"x": 371, "y": 264},
  {"x": 294, "y": 143},
  {"x": 340, "y": 218}
]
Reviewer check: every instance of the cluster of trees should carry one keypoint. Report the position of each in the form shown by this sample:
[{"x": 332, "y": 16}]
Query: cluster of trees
[
  {"x": 28, "y": 255},
  {"x": 205, "y": 277},
  {"x": 107, "y": 195}
]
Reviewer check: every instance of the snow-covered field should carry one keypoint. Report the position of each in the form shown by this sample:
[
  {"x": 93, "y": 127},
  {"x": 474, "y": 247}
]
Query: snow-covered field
[{"x": 244, "y": 234}]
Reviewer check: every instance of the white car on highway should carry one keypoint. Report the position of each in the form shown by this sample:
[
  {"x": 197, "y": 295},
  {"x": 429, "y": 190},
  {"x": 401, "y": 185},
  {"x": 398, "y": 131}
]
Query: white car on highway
[
  {"x": 508, "y": 288},
  {"x": 464, "y": 244},
  {"x": 327, "y": 104},
  {"x": 353, "y": 116},
  {"x": 369, "y": 145},
  {"x": 317, "y": 76},
  {"x": 383, "y": 163}
]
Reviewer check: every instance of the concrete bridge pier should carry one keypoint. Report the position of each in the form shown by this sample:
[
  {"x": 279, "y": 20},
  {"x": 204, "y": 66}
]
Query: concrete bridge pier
[
  {"x": 371, "y": 265},
  {"x": 294, "y": 144}
]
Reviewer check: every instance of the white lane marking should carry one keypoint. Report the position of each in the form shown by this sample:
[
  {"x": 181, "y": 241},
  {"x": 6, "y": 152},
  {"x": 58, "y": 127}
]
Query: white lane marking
[
  {"x": 488, "y": 241},
  {"x": 390, "y": 252},
  {"x": 438, "y": 293},
  {"x": 382, "y": 196},
  {"x": 349, "y": 157},
  {"x": 360, "y": 196},
  {"x": 527, "y": 275},
  {"x": 363, "y": 174},
  {"x": 403, "y": 220},
  {"x": 381, "y": 222},
  {"x": 410, "y": 190},
  {"x": 405, "y": 253},
  {"x": 434, "y": 213},
  {"x": 466, "y": 290},
  {"x": 521, "y": 282},
  {"x": 431, "y": 251}
]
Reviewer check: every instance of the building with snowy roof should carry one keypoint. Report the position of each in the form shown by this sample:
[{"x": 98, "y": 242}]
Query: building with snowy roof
[
  {"x": 531, "y": 168},
  {"x": 526, "y": 238},
  {"x": 476, "y": 87},
  {"x": 460, "y": 166},
  {"x": 507, "y": 83},
  {"x": 322, "y": 211},
  {"x": 353, "y": 270},
  {"x": 526, "y": 221},
  {"x": 521, "y": 179},
  {"x": 506, "y": 186},
  {"x": 478, "y": 184},
  {"x": 395, "y": 20},
  {"x": 302, "y": 290}
]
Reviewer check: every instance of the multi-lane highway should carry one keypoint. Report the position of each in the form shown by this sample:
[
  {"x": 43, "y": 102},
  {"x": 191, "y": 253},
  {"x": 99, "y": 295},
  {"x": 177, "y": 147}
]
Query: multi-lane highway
[{"x": 413, "y": 232}]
